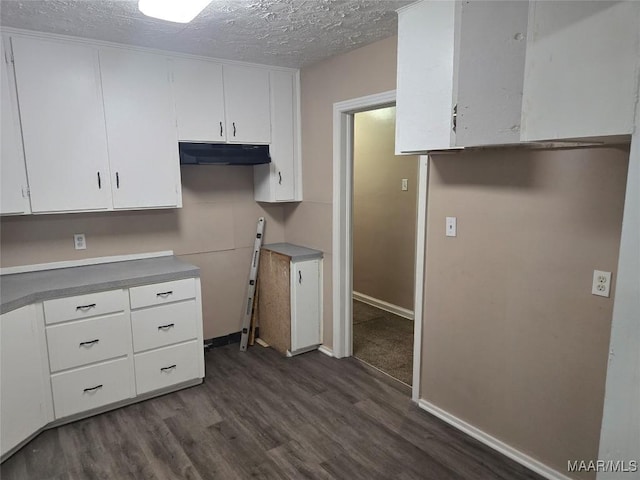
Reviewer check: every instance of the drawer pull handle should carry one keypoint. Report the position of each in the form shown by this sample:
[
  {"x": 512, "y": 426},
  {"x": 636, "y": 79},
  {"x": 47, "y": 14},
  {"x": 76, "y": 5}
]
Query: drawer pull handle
[
  {"x": 170, "y": 367},
  {"x": 93, "y": 389},
  {"x": 166, "y": 327},
  {"x": 90, "y": 343},
  {"x": 164, "y": 294},
  {"x": 84, "y": 308}
]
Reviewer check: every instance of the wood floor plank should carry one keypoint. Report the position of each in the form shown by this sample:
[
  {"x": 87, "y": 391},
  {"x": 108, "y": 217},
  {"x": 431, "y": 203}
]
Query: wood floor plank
[{"x": 261, "y": 415}]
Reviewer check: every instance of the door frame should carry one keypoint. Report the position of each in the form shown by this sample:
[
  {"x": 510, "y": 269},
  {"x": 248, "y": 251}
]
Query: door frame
[{"x": 342, "y": 244}]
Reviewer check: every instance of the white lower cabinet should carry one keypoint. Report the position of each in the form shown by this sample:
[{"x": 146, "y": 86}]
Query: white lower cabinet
[
  {"x": 91, "y": 387},
  {"x": 67, "y": 358},
  {"x": 167, "y": 366},
  {"x": 24, "y": 394},
  {"x": 290, "y": 300}
]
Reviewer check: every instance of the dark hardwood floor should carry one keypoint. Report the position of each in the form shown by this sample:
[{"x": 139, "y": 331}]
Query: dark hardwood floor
[{"x": 261, "y": 415}]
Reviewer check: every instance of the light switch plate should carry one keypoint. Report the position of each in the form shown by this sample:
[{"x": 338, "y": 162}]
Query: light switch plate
[
  {"x": 451, "y": 227},
  {"x": 405, "y": 184}
]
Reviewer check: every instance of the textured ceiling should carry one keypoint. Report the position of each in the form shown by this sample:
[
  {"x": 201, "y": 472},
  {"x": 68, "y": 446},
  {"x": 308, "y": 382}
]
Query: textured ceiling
[{"x": 289, "y": 33}]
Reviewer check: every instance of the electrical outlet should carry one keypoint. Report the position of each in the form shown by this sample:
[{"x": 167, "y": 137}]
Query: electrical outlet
[
  {"x": 405, "y": 184},
  {"x": 601, "y": 283},
  {"x": 79, "y": 241}
]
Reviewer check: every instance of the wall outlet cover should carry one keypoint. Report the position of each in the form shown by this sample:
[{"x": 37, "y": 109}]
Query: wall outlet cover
[
  {"x": 601, "y": 283},
  {"x": 79, "y": 241}
]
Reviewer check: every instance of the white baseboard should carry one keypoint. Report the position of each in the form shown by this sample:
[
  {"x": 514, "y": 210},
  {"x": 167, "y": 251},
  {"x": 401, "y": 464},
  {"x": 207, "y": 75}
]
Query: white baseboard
[
  {"x": 382, "y": 305},
  {"x": 326, "y": 350},
  {"x": 82, "y": 262},
  {"x": 492, "y": 442}
]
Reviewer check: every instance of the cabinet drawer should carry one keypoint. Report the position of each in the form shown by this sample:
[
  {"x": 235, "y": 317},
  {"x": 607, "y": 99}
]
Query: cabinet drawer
[
  {"x": 159, "y": 293},
  {"x": 83, "y": 306},
  {"x": 87, "y": 341},
  {"x": 91, "y": 387},
  {"x": 163, "y": 325},
  {"x": 167, "y": 366}
]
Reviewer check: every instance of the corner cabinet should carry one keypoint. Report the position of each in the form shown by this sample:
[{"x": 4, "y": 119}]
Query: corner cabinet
[
  {"x": 14, "y": 190},
  {"x": 581, "y": 72},
  {"x": 25, "y": 396},
  {"x": 460, "y": 74},
  {"x": 290, "y": 298}
]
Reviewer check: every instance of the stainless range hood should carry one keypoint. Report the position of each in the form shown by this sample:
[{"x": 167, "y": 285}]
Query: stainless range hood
[{"x": 223, "y": 154}]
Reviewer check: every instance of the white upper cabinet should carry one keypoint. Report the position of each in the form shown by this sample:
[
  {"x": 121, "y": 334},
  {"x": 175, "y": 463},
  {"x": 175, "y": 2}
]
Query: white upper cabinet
[
  {"x": 13, "y": 188},
  {"x": 199, "y": 96},
  {"x": 63, "y": 125},
  {"x": 247, "y": 104},
  {"x": 141, "y": 129},
  {"x": 581, "y": 69},
  {"x": 278, "y": 181},
  {"x": 460, "y": 74}
]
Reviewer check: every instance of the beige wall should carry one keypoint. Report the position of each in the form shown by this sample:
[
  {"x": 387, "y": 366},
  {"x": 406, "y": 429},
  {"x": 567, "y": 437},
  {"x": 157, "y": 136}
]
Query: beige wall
[
  {"x": 215, "y": 230},
  {"x": 365, "y": 71},
  {"x": 514, "y": 343},
  {"x": 384, "y": 216}
]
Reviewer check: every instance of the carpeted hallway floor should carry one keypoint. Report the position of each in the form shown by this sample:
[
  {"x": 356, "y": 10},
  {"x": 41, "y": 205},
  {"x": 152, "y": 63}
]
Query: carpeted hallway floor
[{"x": 383, "y": 340}]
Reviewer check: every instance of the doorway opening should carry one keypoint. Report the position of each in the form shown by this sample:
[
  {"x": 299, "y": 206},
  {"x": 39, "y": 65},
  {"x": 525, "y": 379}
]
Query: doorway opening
[
  {"x": 384, "y": 214},
  {"x": 342, "y": 244}
]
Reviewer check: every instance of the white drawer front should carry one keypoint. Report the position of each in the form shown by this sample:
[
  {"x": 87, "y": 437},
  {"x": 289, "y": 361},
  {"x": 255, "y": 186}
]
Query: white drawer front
[
  {"x": 159, "y": 293},
  {"x": 167, "y": 366},
  {"x": 87, "y": 341},
  {"x": 164, "y": 325},
  {"x": 91, "y": 387},
  {"x": 83, "y": 306}
]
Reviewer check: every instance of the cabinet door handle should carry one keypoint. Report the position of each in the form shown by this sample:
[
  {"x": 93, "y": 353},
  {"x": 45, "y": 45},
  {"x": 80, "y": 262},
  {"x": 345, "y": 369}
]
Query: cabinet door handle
[
  {"x": 166, "y": 369},
  {"x": 164, "y": 294},
  {"x": 299, "y": 276},
  {"x": 279, "y": 178},
  {"x": 117, "y": 180},
  {"x": 99, "y": 181},
  {"x": 234, "y": 128},
  {"x": 85, "y": 308},
  {"x": 90, "y": 343},
  {"x": 220, "y": 128},
  {"x": 93, "y": 389},
  {"x": 454, "y": 117},
  {"x": 166, "y": 327}
]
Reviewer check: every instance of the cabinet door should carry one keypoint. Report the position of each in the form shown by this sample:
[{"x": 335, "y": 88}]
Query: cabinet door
[
  {"x": 22, "y": 394},
  {"x": 62, "y": 125},
  {"x": 424, "y": 94},
  {"x": 246, "y": 92},
  {"x": 199, "y": 95},
  {"x": 277, "y": 181},
  {"x": 581, "y": 69},
  {"x": 141, "y": 129},
  {"x": 305, "y": 304},
  {"x": 13, "y": 178},
  {"x": 490, "y": 71}
]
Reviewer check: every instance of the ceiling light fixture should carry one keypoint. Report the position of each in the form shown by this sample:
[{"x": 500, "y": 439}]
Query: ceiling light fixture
[{"x": 179, "y": 11}]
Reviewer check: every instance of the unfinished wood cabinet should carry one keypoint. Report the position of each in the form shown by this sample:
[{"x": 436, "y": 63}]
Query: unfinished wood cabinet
[{"x": 290, "y": 298}]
